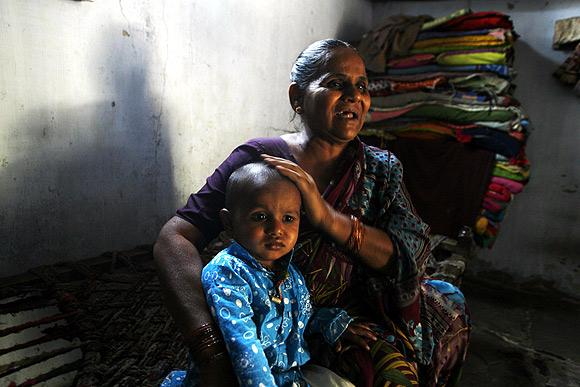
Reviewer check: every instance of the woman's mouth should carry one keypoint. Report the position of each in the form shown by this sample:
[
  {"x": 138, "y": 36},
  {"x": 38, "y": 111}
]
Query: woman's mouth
[{"x": 347, "y": 114}]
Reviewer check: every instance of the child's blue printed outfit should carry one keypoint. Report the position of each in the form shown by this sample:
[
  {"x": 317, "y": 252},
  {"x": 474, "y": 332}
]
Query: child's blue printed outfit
[{"x": 265, "y": 339}]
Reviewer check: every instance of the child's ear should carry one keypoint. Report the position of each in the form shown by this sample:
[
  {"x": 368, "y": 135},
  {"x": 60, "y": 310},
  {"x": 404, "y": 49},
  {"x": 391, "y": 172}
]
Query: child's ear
[{"x": 226, "y": 218}]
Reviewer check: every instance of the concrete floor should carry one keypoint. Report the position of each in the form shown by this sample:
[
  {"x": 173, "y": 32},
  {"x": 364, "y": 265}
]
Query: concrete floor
[{"x": 526, "y": 338}]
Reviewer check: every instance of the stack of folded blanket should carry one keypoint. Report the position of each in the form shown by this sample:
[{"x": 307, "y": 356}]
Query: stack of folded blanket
[{"x": 450, "y": 79}]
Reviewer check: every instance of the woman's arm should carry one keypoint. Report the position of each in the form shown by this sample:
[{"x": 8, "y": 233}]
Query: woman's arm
[
  {"x": 376, "y": 248},
  {"x": 179, "y": 269}
]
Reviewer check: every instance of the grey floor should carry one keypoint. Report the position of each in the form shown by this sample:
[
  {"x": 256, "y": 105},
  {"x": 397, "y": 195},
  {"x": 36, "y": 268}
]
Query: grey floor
[{"x": 521, "y": 338}]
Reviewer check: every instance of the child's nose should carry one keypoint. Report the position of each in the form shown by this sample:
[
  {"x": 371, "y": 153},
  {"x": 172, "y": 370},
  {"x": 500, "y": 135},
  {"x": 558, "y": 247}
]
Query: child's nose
[{"x": 274, "y": 227}]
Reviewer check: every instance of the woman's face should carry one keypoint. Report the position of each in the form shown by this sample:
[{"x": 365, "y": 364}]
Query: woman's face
[{"x": 336, "y": 103}]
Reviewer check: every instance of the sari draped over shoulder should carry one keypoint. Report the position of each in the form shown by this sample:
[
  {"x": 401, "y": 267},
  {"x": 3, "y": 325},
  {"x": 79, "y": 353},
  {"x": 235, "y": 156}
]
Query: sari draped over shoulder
[{"x": 422, "y": 323}]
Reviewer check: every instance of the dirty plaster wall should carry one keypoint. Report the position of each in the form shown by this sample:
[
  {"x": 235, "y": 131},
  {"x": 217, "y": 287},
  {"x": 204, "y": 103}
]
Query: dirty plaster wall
[
  {"x": 540, "y": 237},
  {"x": 112, "y": 112}
]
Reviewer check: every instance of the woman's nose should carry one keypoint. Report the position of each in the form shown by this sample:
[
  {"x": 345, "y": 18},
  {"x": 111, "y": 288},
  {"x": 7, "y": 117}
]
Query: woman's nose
[{"x": 352, "y": 93}]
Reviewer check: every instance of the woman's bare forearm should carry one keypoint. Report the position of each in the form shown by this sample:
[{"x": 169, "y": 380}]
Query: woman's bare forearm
[
  {"x": 179, "y": 268},
  {"x": 376, "y": 248}
]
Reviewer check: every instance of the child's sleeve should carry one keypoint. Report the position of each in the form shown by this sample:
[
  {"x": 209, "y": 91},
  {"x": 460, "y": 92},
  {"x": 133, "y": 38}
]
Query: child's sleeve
[
  {"x": 329, "y": 322},
  {"x": 229, "y": 297}
]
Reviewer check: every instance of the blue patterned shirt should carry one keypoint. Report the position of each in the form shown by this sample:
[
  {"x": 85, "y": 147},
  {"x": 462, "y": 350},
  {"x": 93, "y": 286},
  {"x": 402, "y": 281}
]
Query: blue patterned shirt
[{"x": 265, "y": 339}]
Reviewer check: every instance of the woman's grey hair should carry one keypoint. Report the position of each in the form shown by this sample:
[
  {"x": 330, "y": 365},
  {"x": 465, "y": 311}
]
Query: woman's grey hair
[{"x": 309, "y": 63}]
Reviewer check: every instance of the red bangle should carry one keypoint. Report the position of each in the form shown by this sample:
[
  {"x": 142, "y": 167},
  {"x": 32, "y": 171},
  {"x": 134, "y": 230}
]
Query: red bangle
[{"x": 356, "y": 237}]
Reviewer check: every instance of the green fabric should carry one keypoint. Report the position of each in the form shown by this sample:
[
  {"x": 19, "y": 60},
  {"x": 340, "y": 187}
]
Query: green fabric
[
  {"x": 440, "y": 49},
  {"x": 509, "y": 175},
  {"x": 481, "y": 82},
  {"x": 472, "y": 58},
  {"x": 460, "y": 114}
]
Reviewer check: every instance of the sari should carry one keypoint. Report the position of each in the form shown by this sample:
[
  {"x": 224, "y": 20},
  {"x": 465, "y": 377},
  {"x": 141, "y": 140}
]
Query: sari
[{"x": 422, "y": 324}]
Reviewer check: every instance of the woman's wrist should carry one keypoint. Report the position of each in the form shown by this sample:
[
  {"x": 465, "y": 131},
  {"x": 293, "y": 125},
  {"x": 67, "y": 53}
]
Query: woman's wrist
[
  {"x": 356, "y": 237},
  {"x": 206, "y": 344}
]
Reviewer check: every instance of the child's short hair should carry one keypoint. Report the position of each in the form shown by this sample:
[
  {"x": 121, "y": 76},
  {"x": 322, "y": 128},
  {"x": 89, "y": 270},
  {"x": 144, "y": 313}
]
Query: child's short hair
[{"x": 246, "y": 177}]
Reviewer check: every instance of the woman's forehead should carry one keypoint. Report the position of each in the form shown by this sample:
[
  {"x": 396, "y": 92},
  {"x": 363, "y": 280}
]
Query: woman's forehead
[{"x": 344, "y": 61}]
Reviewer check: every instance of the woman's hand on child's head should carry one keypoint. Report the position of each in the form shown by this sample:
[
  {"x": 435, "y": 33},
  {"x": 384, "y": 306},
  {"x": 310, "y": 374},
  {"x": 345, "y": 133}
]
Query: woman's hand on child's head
[
  {"x": 314, "y": 205},
  {"x": 358, "y": 333}
]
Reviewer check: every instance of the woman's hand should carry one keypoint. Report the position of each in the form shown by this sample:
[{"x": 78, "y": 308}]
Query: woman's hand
[
  {"x": 314, "y": 205},
  {"x": 357, "y": 333}
]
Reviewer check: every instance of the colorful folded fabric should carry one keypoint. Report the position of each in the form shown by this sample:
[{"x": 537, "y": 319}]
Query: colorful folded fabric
[
  {"x": 492, "y": 39},
  {"x": 450, "y": 91},
  {"x": 444, "y": 19},
  {"x": 456, "y": 113},
  {"x": 496, "y": 217},
  {"x": 378, "y": 87},
  {"x": 402, "y": 99},
  {"x": 493, "y": 205},
  {"x": 501, "y": 70},
  {"x": 447, "y": 34},
  {"x": 477, "y": 21},
  {"x": 513, "y": 186},
  {"x": 394, "y": 38},
  {"x": 411, "y": 61},
  {"x": 499, "y": 196},
  {"x": 471, "y": 58},
  {"x": 482, "y": 81},
  {"x": 436, "y": 49},
  {"x": 493, "y": 140}
]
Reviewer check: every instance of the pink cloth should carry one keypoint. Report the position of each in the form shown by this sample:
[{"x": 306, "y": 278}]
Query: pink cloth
[
  {"x": 379, "y": 116},
  {"x": 502, "y": 196},
  {"x": 492, "y": 205},
  {"x": 513, "y": 186},
  {"x": 411, "y": 61}
]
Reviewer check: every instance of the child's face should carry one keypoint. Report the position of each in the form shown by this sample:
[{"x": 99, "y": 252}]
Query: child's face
[{"x": 266, "y": 221}]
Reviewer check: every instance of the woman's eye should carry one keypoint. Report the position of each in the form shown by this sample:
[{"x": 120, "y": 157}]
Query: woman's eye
[
  {"x": 335, "y": 84},
  {"x": 362, "y": 87}
]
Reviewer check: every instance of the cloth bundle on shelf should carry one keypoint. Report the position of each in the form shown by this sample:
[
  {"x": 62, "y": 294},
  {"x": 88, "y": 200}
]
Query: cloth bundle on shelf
[
  {"x": 567, "y": 36},
  {"x": 447, "y": 94}
]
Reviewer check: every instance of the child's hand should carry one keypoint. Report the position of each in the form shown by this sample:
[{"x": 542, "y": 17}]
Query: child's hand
[{"x": 357, "y": 333}]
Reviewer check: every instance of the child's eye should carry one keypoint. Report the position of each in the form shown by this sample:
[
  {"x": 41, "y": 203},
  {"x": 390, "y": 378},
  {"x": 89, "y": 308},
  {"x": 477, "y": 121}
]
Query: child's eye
[
  {"x": 289, "y": 218},
  {"x": 259, "y": 217}
]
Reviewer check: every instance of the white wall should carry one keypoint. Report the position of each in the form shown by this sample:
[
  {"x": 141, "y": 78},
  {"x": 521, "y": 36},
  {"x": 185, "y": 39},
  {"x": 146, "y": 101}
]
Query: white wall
[
  {"x": 112, "y": 112},
  {"x": 192, "y": 79},
  {"x": 540, "y": 236}
]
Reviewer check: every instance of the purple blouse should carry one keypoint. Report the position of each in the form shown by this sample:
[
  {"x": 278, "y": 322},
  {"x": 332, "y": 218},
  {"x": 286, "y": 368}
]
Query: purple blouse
[{"x": 202, "y": 208}]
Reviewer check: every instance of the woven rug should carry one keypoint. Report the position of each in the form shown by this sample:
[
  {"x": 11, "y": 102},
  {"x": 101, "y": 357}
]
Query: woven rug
[{"x": 109, "y": 307}]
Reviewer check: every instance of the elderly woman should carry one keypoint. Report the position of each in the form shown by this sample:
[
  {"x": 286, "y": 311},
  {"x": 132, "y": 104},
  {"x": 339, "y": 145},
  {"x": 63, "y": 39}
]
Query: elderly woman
[{"x": 361, "y": 245}]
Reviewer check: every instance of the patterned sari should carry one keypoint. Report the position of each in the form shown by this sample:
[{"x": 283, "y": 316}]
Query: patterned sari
[{"x": 422, "y": 324}]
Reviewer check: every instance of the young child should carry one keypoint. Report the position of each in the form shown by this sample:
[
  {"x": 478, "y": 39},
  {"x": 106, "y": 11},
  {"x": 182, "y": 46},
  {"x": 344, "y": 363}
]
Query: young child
[{"x": 258, "y": 298}]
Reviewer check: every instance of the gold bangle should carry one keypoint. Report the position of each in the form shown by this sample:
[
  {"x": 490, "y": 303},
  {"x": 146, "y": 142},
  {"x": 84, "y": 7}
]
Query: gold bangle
[{"x": 356, "y": 237}]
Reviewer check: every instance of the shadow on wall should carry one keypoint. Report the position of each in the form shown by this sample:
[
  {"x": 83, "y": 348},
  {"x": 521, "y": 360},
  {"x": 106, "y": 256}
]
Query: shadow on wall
[{"x": 93, "y": 177}]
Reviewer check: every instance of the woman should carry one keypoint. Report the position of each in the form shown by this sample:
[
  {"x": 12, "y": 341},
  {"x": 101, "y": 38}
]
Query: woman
[{"x": 362, "y": 246}]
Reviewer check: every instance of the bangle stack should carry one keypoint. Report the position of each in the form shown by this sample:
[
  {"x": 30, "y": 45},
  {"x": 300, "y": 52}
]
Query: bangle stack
[
  {"x": 356, "y": 237},
  {"x": 207, "y": 344}
]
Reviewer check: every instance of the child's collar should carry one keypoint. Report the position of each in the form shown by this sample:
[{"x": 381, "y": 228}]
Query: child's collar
[{"x": 240, "y": 251}]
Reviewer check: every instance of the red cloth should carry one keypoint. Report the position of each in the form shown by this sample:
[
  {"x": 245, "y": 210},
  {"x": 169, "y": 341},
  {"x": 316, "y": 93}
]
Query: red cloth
[{"x": 477, "y": 21}]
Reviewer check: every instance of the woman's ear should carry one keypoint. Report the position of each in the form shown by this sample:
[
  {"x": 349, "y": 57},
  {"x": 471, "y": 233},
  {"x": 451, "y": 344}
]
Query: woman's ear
[
  {"x": 226, "y": 218},
  {"x": 295, "y": 95}
]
